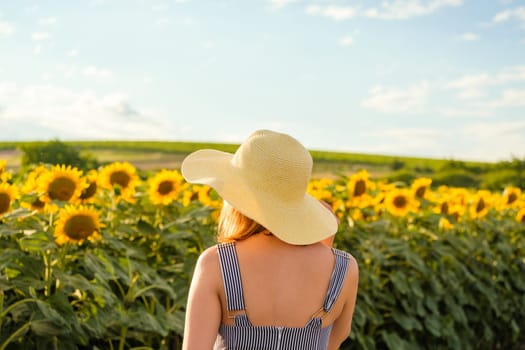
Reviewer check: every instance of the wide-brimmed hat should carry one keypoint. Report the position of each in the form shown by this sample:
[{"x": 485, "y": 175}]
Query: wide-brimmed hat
[{"x": 266, "y": 179}]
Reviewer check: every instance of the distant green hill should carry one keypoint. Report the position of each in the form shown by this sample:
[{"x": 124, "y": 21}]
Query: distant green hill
[{"x": 154, "y": 155}]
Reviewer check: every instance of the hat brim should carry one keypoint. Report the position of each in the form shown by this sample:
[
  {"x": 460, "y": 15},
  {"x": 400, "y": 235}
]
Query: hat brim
[{"x": 303, "y": 223}]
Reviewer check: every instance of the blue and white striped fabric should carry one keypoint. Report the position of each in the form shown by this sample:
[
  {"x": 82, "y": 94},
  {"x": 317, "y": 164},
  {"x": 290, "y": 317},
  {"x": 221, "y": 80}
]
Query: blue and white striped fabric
[{"x": 243, "y": 336}]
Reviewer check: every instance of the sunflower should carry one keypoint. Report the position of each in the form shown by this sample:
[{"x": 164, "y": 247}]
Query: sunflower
[
  {"x": 480, "y": 204},
  {"x": 421, "y": 187},
  {"x": 511, "y": 197},
  {"x": 319, "y": 189},
  {"x": 400, "y": 202},
  {"x": 8, "y": 193},
  {"x": 189, "y": 193},
  {"x": 4, "y": 175},
  {"x": 520, "y": 216},
  {"x": 165, "y": 187},
  {"x": 31, "y": 182},
  {"x": 88, "y": 194},
  {"x": 76, "y": 224},
  {"x": 359, "y": 184},
  {"x": 61, "y": 182},
  {"x": 444, "y": 224},
  {"x": 120, "y": 176}
]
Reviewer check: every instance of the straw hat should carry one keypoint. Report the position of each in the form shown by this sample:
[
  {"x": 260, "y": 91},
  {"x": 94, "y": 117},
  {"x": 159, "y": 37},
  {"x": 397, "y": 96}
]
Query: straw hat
[{"x": 266, "y": 180}]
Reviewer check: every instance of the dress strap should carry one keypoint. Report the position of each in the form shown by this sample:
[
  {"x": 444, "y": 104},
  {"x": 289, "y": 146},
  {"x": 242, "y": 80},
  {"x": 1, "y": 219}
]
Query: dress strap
[
  {"x": 231, "y": 276},
  {"x": 337, "y": 278}
]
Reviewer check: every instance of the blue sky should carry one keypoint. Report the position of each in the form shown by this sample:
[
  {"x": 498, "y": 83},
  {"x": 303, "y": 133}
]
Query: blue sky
[{"x": 431, "y": 78}]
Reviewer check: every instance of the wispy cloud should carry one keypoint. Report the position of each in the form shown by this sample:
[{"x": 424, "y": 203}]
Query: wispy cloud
[
  {"x": 388, "y": 10},
  {"x": 471, "y": 86},
  {"x": 40, "y": 36},
  {"x": 397, "y": 100},
  {"x": 469, "y": 37},
  {"x": 510, "y": 98},
  {"x": 494, "y": 140},
  {"x": 72, "y": 53},
  {"x": 48, "y": 21},
  {"x": 98, "y": 73},
  {"x": 517, "y": 13},
  {"x": 405, "y": 9},
  {"x": 346, "y": 40},
  {"x": 337, "y": 13},
  {"x": 409, "y": 140},
  {"x": 54, "y": 111},
  {"x": 6, "y": 28},
  {"x": 278, "y": 4}
]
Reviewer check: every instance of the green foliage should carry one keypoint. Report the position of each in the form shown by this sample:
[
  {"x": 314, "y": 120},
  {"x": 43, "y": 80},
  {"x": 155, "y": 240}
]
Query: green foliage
[
  {"x": 422, "y": 289},
  {"x": 397, "y": 164},
  {"x": 55, "y": 152},
  {"x": 127, "y": 291},
  {"x": 455, "y": 178},
  {"x": 402, "y": 176}
]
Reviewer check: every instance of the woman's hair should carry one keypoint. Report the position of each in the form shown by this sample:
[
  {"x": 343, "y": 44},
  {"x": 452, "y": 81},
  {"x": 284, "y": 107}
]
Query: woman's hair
[{"x": 234, "y": 226}]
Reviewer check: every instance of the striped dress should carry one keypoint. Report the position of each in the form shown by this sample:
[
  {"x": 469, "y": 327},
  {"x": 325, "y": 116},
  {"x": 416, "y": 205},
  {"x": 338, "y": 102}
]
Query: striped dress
[{"x": 243, "y": 336}]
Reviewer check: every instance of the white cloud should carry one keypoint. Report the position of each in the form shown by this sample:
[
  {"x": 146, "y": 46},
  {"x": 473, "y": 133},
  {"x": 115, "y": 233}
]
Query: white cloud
[
  {"x": 208, "y": 45},
  {"x": 55, "y": 111},
  {"x": 277, "y": 4},
  {"x": 72, "y": 53},
  {"x": 509, "y": 98},
  {"x": 463, "y": 112},
  {"x": 37, "y": 49},
  {"x": 346, "y": 40},
  {"x": 6, "y": 28},
  {"x": 396, "y": 100},
  {"x": 469, "y": 37},
  {"x": 518, "y": 13},
  {"x": 337, "y": 13},
  {"x": 98, "y": 73},
  {"x": 405, "y": 9},
  {"x": 491, "y": 140},
  {"x": 41, "y": 36},
  {"x": 471, "y": 86},
  {"x": 48, "y": 21}
]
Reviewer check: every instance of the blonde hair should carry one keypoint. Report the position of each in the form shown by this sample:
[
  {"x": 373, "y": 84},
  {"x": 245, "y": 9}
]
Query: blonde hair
[{"x": 234, "y": 226}]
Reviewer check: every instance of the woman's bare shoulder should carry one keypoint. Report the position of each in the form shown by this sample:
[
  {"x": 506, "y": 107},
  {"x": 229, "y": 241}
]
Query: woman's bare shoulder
[{"x": 209, "y": 258}]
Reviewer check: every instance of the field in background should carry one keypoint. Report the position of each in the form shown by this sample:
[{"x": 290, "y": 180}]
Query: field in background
[{"x": 153, "y": 155}]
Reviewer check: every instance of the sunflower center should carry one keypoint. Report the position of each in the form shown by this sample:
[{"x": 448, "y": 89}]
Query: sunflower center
[
  {"x": 522, "y": 219},
  {"x": 359, "y": 188},
  {"x": 400, "y": 202},
  {"x": 37, "y": 204},
  {"x": 89, "y": 191},
  {"x": 444, "y": 208},
  {"x": 61, "y": 188},
  {"x": 120, "y": 178},
  {"x": 5, "y": 201},
  {"x": 79, "y": 227},
  {"x": 480, "y": 205},
  {"x": 512, "y": 198},
  {"x": 420, "y": 192},
  {"x": 165, "y": 187}
]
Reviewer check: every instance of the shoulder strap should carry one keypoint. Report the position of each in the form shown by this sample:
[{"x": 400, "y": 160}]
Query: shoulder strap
[
  {"x": 231, "y": 276},
  {"x": 337, "y": 278}
]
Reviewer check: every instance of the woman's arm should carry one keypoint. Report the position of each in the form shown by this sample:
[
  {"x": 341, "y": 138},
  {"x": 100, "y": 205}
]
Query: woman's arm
[
  {"x": 203, "y": 311},
  {"x": 343, "y": 324}
]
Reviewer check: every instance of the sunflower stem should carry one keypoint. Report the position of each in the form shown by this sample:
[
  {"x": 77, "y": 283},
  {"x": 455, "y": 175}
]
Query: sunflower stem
[
  {"x": 47, "y": 273},
  {"x": 123, "y": 332},
  {"x": 15, "y": 335}
]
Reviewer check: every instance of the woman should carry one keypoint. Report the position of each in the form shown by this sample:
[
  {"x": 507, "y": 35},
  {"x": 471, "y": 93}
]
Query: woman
[{"x": 273, "y": 281}]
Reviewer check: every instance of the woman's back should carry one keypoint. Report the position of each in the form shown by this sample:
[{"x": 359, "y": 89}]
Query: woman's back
[{"x": 283, "y": 284}]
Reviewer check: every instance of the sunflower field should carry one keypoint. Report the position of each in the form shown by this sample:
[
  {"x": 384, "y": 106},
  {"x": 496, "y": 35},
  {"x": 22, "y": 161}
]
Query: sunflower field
[{"x": 103, "y": 259}]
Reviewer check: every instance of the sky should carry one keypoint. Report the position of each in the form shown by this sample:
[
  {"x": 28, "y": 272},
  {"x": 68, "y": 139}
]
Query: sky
[{"x": 424, "y": 78}]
